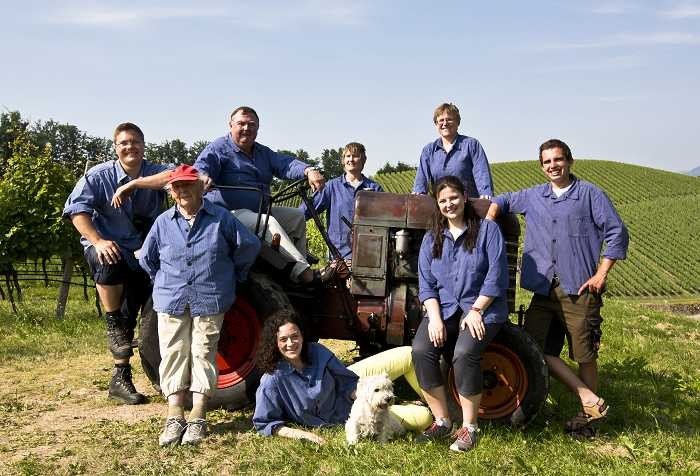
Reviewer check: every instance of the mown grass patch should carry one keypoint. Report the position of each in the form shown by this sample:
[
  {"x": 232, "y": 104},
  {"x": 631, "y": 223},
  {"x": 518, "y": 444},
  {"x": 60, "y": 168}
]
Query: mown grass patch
[{"x": 57, "y": 420}]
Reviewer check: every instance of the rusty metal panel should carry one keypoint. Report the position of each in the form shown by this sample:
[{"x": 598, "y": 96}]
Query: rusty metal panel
[
  {"x": 371, "y": 314},
  {"x": 397, "y": 316},
  {"x": 420, "y": 209},
  {"x": 369, "y": 251},
  {"x": 365, "y": 286},
  {"x": 380, "y": 208}
]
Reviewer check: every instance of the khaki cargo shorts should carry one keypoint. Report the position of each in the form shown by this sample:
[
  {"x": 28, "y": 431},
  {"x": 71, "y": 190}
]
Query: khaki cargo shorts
[{"x": 551, "y": 318}]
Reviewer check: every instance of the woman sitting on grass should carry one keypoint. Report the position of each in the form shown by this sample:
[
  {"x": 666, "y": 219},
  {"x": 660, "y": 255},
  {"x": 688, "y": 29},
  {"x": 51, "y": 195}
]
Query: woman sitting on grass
[{"x": 304, "y": 383}]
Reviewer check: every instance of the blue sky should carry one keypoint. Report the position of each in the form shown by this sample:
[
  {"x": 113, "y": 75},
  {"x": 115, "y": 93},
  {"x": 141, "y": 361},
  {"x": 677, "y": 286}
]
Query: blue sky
[{"x": 616, "y": 80}]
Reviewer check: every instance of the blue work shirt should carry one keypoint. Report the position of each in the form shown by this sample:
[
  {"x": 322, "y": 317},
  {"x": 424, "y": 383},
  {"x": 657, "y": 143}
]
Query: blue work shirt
[
  {"x": 93, "y": 195},
  {"x": 338, "y": 197},
  {"x": 564, "y": 235},
  {"x": 318, "y": 395},
  {"x": 226, "y": 164},
  {"x": 459, "y": 276},
  {"x": 467, "y": 160},
  {"x": 197, "y": 266}
]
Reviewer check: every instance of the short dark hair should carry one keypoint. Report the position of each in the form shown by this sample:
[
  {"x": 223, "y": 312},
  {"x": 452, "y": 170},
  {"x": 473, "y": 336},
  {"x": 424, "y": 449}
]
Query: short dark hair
[
  {"x": 128, "y": 126},
  {"x": 245, "y": 110},
  {"x": 556, "y": 144},
  {"x": 268, "y": 355}
]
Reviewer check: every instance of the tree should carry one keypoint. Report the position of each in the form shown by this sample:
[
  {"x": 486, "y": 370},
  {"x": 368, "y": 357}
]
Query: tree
[
  {"x": 331, "y": 162},
  {"x": 11, "y": 127},
  {"x": 399, "y": 167}
]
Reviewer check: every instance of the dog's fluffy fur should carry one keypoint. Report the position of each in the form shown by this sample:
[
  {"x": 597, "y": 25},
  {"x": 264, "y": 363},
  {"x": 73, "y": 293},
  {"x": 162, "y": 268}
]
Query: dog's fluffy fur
[{"x": 369, "y": 416}]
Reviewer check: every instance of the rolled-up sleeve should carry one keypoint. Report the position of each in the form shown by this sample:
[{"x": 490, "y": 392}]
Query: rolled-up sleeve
[
  {"x": 496, "y": 279},
  {"x": 427, "y": 282},
  {"x": 269, "y": 412},
  {"x": 81, "y": 200},
  {"x": 512, "y": 202},
  {"x": 616, "y": 237}
]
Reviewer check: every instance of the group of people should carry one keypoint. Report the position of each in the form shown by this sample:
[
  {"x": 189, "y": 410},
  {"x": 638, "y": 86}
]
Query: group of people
[{"x": 191, "y": 257}]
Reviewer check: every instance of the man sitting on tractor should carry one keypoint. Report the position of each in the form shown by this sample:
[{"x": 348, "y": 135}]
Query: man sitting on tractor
[{"x": 236, "y": 159}]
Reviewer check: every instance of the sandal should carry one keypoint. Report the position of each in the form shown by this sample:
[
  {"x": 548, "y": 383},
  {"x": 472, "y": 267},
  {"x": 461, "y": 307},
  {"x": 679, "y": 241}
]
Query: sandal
[{"x": 590, "y": 414}]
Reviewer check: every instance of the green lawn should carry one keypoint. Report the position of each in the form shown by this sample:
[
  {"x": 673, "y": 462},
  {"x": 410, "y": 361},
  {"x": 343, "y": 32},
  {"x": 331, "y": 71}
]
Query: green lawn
[{"x": 55, "y": 419}]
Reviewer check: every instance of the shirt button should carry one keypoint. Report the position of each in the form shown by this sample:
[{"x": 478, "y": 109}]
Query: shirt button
[
  {"x": 189, "y": 245},
  {"x": 554, "y": 221},
  {"x": 554, "y": 261},
  {"x": 189, "y": 263},
  {"x": 554, "y": 240},
  {"x": 189, "y": 283}
]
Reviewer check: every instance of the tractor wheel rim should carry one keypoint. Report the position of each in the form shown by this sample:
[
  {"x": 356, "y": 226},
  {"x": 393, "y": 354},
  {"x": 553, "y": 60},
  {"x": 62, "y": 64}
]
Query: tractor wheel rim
[
  {"x": 238, "y": 342},
  {"x": 505, "y": 382}
]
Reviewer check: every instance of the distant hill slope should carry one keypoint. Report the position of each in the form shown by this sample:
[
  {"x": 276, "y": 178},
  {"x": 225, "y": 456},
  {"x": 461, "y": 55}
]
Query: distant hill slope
[
  {"x": 695, "y": 172},
  {"x": 661, "y": 210}
]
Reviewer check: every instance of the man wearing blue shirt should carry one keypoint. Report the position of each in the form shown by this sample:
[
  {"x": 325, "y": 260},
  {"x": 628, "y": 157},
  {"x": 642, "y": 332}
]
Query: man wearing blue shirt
[
  {"x": 567, "y": 221},
  {"x": 237, "y": 159},
  {"x": 338, "y": 197},
  {"x": 195, "y": 253},
  {"x": 453, "y": 154},
  {"x": 110, "y": 236}
]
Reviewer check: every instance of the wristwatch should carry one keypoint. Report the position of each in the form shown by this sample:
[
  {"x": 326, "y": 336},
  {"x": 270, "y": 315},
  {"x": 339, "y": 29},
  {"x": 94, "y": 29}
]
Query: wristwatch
[{"x": 479, "y": 310}]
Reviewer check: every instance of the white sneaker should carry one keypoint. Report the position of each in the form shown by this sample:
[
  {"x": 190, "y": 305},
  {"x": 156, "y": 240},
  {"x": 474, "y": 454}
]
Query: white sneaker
[
  {"x": 174, "y": 429},
  {"x": 195, "y": 432}
]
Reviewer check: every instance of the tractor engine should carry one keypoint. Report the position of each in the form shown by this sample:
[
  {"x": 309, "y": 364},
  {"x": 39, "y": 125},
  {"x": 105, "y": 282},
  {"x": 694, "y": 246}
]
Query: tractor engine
[{"x": 388, "y": 230}]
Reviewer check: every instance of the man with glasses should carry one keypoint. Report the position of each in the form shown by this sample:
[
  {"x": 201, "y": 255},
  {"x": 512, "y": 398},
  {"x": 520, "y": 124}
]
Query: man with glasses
[
  {"x": 453, "y": 154},
  {"x": 237, "y": 159},
  {"x": 112, "y": 229},
  {"x": 566, "y": 223}
]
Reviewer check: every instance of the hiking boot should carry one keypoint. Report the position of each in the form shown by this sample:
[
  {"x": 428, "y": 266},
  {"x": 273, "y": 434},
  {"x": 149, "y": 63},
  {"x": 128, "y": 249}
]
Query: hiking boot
[
  {"x": 196, "y": 431},
  {"x": 174, "y": 429},
  {"x": 465, "y": 440},
  {"x": 118, "y": 337},
  {"x": 434, "y": 433},
  {"x": 122, "y": 388}
]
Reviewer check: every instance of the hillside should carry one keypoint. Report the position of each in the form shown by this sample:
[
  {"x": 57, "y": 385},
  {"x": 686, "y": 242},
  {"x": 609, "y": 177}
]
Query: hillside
[{"x": 661, "y": 210}]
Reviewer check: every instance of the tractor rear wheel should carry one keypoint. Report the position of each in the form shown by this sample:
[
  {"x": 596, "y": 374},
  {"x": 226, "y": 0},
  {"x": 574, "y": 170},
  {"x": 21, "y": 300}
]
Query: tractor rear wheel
[
  {"x": 516, "y": 378},
  {"x": 238, "y": 377}
]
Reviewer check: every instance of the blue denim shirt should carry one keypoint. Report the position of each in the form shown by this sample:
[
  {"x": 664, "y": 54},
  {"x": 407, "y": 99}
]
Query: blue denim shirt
[
  {"x": 564, "y": 235},
  {"x": 198, "y": 266},
  {"x": 338, "y": 197},
  {"x": 467, "y": 160},
  {"x": 459, "y": 276},
  {"x": 93, "y": 195},
  {"x": 227, "y": 164},
  {"x": 319, "y": 395}
]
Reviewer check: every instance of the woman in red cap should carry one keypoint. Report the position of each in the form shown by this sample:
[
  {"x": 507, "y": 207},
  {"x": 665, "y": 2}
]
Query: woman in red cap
[{"x": 195, "y": 253}]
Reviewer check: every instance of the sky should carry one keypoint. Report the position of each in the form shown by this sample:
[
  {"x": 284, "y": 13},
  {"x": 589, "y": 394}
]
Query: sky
[{"x": 616, "y": 80}]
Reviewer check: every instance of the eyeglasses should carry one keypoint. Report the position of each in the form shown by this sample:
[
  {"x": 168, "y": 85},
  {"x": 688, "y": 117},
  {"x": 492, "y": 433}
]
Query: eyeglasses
[
  {"x": 241, "y": 124},
  {"x": 127, "y": 143}
]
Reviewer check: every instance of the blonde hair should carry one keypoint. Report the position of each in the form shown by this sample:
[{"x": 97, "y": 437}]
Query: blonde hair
[{"x": 449, "y": 108}]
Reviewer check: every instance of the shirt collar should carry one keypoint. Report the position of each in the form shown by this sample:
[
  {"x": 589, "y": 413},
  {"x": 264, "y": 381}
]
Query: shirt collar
[
  {"x": 235, "y": 146},
  {"x": 571, "y": 193},
  {"x": 206, "y": 207},
  {"x": 457, "y": 145},
  {"x": 122, "y": 176},
  {"x": 345, "y": 180}
]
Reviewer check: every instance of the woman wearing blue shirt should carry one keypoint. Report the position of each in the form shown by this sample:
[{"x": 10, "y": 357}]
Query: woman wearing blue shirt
[
  {"x": 463, "y": 277},
  {"x": 304, "y": 383}
]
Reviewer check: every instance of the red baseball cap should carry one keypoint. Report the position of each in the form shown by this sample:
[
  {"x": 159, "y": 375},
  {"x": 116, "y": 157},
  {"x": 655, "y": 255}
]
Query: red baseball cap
[{"x": 183, "y": 173}]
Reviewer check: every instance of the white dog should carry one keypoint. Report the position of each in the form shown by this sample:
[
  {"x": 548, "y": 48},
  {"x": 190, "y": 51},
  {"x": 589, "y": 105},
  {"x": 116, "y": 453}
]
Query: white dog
[{"x": 369, "y": 416}]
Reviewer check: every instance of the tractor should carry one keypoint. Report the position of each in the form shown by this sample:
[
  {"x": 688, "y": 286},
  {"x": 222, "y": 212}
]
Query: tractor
[{"x": 377, "y": 306}]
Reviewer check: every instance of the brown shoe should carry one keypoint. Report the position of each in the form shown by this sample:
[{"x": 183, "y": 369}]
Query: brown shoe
[{"x": 589, "y": 415}]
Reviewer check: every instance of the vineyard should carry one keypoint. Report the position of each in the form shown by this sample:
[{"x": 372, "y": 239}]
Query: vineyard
[{"x": 661, "y": 210}]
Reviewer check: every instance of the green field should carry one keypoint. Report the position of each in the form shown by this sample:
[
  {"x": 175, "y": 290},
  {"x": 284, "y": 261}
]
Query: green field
[
  {"x": 661, "y": 210},
  {"x": 55, "y": 417}
]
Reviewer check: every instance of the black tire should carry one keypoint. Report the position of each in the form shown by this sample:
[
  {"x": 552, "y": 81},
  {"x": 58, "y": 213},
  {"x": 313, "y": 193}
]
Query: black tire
[
  {"x": 516, "y": 379},
  {"x": 263, "y": 296}
]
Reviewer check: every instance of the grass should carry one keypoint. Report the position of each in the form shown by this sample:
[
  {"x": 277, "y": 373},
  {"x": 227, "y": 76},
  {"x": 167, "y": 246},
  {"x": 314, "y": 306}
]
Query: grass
[{"x": 55, "y": 419}]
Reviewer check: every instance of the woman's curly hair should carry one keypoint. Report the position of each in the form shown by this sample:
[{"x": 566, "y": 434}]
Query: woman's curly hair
[{"x": 268, "y": 354}]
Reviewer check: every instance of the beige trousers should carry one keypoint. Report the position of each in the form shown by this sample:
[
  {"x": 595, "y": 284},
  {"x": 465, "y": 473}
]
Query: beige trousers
[
  {"x": 290, "y": 224},
  {"x": 188, "y": 346},
  {"x": 397, "y": 362}
]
